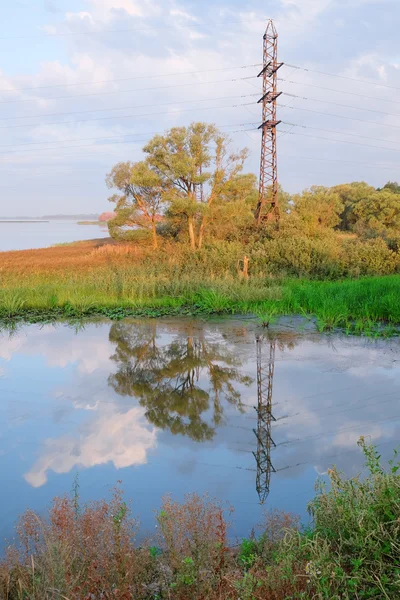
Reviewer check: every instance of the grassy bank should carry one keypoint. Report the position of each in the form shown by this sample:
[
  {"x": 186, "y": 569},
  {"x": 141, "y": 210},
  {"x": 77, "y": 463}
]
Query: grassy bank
[
  {"x": 114, "y": 280},
  {"x": 350, "y": 552}
]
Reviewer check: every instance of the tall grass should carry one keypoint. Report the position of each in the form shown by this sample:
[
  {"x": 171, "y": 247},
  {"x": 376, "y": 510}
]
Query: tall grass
[
  {"x": 119, "y": 280},
  {"x": 350, "y": 552}
]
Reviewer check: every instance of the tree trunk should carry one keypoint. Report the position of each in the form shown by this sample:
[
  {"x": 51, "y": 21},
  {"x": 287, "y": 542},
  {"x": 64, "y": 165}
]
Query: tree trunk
[
  {"x": 201, "y": 233},
  {"x": 191, "y": 233},
  {"x": 154, "y": 233}
]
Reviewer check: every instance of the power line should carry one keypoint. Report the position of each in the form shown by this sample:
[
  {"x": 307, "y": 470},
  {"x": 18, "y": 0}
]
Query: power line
[
  {"x": 126, "y": 134},
  {"x": 164, "y": 87},
  {"x": 111, "y": 109},
  {"x": 385, "y": 166},
  {"x": 344, "y": 142},
  {"x": 338, "y": 132},
  {"x": 324, "y": 458},
  {"x": 342, "y": 105},
  {"x": 340, "y": 116},
  {"x": 349, "y": 409},
  {"x": 319, "y": 87},
  {"x": 368, "y": 82},
  {"x": 335, "y": 432},
  {"x": 42, "y": 87},
  {"x": 97, "y": 145},
  {"x": 143, "y": 29}
]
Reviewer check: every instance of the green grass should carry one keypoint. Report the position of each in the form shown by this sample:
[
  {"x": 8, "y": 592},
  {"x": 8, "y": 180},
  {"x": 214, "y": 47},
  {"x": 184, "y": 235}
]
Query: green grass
[{"x": 368, "y": 305}]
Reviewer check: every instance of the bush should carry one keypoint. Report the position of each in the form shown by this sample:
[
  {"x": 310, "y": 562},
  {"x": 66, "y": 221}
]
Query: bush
[
  {"x": 352, "y": 550},
  {"x": 372, "y": 257},
  {"x": 323, "y": 258},
  {"x": 84, "y": 553}
]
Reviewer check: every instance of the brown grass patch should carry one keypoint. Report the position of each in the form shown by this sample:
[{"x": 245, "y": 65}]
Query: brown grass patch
[{"x": 80, "y": 256}]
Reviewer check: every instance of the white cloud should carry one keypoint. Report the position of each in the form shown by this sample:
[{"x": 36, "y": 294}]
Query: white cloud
[
  {"x": 106, "y": 10},
  {"x": 169, "y": 38},
  {"x": 122, "y": 439},
  {"x": 183, "y": 14}
]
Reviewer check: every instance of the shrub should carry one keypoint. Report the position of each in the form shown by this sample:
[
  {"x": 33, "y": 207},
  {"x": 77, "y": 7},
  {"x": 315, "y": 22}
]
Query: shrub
[
  {"x": 350, "y": 552},
  {"x": 372, "y": 257}
]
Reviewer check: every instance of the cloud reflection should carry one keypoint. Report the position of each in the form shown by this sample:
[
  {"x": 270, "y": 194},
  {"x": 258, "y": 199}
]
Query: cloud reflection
[{"x": 123, "y": 439}]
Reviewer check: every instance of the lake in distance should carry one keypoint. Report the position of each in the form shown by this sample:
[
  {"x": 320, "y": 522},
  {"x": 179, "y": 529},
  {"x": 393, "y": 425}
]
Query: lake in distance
[
  {"x": 168, "y": 407},
  {"x": 28, "y": 234}
]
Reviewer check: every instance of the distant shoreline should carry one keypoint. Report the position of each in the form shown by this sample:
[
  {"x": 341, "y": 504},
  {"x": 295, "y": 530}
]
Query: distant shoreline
[{"x": 20, "y": 221}]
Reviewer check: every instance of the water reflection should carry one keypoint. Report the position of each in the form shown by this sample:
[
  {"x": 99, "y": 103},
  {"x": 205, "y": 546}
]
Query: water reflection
[
  {"x": 122, "y": 438},
  {"x": 133, "y": 400},
  {"x": 178, "y": 383}
]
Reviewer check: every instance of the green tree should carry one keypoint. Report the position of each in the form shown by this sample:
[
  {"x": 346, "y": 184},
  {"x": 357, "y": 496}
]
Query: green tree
[
  {"x": 141, "y": 200},
  {"x": 351, "y": 194},
  {"x": 316, "y": 208},
  {"x": 379, "y": 214},
  {"x": 197, "y": 166},
  {"x": 178, "y": 382},
  {"x": 392, "y": 186}
]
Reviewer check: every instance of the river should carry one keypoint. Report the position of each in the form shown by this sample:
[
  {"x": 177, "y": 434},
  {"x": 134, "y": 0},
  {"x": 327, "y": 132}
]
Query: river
[
  {"x": 169, "y": 406},
  {"x": 29, "y": 234}
]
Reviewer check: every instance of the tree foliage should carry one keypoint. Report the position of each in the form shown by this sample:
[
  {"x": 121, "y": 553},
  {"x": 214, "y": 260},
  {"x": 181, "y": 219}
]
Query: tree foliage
[
  {"x": 200, "y": 170},
  {"x": 139, "y": 204},
  {"x": 318, "y": 207},
  {"x": 190, "y": 180},
  {"x": 178, "y": 383},
  {"x": 191, "y": 188}
]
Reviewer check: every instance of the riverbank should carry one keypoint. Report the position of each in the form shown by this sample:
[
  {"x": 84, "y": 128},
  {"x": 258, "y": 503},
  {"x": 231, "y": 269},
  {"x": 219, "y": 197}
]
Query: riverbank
[
  {"x": 104, "y": 278},
  {"x": 90, "y": 551}
]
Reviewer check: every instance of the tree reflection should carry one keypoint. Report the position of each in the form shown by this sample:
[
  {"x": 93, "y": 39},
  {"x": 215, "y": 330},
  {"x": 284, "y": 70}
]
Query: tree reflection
[{"x": 183, "y": 383}]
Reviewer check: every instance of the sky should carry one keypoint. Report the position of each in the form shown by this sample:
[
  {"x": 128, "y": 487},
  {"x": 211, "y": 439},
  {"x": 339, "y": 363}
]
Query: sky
[{"x": 85, "y": 83}]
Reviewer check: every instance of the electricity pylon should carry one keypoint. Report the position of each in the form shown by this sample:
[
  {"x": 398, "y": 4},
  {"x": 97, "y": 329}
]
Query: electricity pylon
[
  {"x": 268, "y": 205},
  {"x": 265, "y": 378}
]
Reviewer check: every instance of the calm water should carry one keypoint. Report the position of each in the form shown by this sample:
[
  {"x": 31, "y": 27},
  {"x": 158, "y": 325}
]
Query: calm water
[
  {"x": 23, "y": 236},
  {"x": 168, "y": 407}
]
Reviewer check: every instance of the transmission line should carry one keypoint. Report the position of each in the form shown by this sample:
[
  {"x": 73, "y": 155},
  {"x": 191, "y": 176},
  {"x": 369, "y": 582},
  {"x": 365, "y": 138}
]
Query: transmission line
[
  {"x": 97, "y": 145},
  {"x": 42, "y": 87},
  {"x": 319, "y": 87},
  {"x": 368, "y": 82},
  {"x": 338, "y": 132},
  {"x": 384, "y": 166},
  {"x": 163, "y": 87},
  {"x": 144, "y": 29},
  {"x": 113, "y": 109},
  {"x": 125, "y": 134},
  {"x": 344, "y": 141},
  {"x": 343, "y": 105},
  {"x": 340, "y": 116}
]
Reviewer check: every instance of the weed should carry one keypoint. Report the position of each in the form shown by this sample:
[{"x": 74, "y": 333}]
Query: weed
[{"x": 349, "y": 552}]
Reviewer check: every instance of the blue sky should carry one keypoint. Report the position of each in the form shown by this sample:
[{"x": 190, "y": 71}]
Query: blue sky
[{"x": 76, "y": 94}]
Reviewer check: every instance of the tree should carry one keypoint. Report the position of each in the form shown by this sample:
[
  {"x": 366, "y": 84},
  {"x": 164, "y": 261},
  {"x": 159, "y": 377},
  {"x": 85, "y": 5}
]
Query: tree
[
  {"x": 141, "y": 200},
  {"x": 319, "y": 207},
  {"x": 351, "y": 194},
  {"x": 232, "y": 211},
  {"x": 106, "y": 216},
  {"x": 392, "y": 186},
  {"x": 178, "y": 383},
  {"x": 195, "y": 164},
  {"x": 379, "y": 213}
]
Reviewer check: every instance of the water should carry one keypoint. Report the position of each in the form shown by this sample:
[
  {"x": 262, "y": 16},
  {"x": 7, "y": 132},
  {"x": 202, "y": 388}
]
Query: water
[
  {"x": 167, "y": 406},
  {"x": 23, "y": 236}
]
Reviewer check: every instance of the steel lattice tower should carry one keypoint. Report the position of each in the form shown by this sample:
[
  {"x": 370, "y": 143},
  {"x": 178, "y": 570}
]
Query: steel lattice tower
[
  {"x": 265, "y": 378},
  {"x": 268, "y": 206}
]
